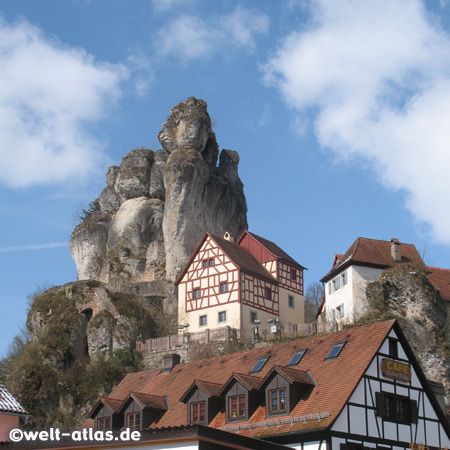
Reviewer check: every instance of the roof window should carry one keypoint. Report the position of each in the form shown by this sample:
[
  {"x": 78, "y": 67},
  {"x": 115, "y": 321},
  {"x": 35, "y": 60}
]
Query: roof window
[
  {"x": 336, "y": 350},
  {"x": 259, "y": 364},
  {"x": 296, "y": 357}
]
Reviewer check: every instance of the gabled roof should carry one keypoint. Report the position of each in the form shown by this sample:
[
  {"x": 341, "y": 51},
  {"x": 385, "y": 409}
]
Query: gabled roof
[
  {"x": 250, "y": 382},
  {"x": 146, "y": 401},
  {"x": 208, "y": 388},
  {"x": 8, "y": 403},
  {"x": 440, "y": 278},
  {"x": 318, "y": 410},
  {"x": 242, "y": 258},
  {"x": 374, "y": 253},
  {"x": 113, "y": 404},
  {"x": 273, "y": 248},
  {"x": 291, "y": 375}
]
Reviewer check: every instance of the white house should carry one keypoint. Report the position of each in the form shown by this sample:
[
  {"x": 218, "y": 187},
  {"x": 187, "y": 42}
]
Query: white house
[{"x": 345, "y": 284}]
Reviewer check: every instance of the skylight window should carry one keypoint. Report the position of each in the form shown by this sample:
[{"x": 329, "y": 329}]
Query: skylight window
[
  {"x": 296, "y": 357},
  {"x": 259, "y": 364},
  {"x": 336, "y": 350}
]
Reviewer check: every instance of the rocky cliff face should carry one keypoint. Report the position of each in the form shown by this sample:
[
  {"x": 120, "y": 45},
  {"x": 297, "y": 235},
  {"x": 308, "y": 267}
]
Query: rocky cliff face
[
  {"x": 407, "y": 294},
  {"x": 157, "y": 205},
  {"x": 140, "y": 232}
]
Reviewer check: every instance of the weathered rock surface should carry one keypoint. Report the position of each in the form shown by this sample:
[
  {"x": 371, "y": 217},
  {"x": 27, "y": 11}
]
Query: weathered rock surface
[
  {"x": 140, "y": 232},
  {"x": 406, "y": 293},
  {"x": 157, "y": 205}
]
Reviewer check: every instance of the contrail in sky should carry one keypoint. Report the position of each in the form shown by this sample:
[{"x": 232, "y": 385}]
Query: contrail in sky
[{"x": 18, "y": 248}]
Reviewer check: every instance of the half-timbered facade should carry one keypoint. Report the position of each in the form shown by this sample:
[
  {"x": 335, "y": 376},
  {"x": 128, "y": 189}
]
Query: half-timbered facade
[
  {"x": 239, "y": 285},
  {"x": 355, "y": 389}
]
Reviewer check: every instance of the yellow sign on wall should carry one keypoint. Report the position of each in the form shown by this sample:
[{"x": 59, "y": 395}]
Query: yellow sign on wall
[{"x": 397, "y": 370}]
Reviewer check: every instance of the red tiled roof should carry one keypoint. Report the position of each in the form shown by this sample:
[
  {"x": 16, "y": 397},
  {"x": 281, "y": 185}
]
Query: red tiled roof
[
  {"x": 243, "y": 258},
  {"x": 375, "y": 253},
  {"x": 149, "y": 401},
  {"x": 210, "y": 389},
  {"x": 292, "y": 375},
  {"x": 8, "y": 403},
  {"x": 440, "y": 278},
  {"x": 275, "y": 250},
  {"x": 335, "y": 379},
  {"x": 249, "y": 381}
]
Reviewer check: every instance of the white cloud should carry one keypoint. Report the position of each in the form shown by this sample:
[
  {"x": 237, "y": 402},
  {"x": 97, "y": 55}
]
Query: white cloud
[
  {"x": 376, "y": 74},
  {"x": 167, "y": 5},
  {"x": 190, "y": 37},
  {"x": 17, "y": 248},
  {"x": 48, "y": 93}
]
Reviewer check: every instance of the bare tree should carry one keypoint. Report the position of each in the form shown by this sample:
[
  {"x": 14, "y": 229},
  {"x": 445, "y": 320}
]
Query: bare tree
[{"x": 313, "y": 298}]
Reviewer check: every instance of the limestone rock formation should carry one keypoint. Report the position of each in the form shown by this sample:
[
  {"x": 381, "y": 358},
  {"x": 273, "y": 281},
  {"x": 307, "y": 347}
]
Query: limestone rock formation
[
  {"x": 137, "y": 236},
  {"x": 406, "y": 293},
  {"x": 157, "y": 205}
]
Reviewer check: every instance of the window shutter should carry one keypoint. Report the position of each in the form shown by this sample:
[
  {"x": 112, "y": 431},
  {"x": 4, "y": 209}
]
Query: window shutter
[
  {"x": 379, "y": 399},
  {"x": 414, "y": 411}
]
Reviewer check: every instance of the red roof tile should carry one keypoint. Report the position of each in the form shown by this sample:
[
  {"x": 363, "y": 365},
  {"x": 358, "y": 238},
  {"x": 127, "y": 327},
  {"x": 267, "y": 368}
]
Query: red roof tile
[
  {"x": 292, "y": 375},
  {"x": 249, "y": 381},
  {"x": 375, "y": 253},
  {"x": 322, "y": 405},
  {"x": 243, "y": 258},
  {"x": 149, "y": 401},
  {"x": 275, "y": 250},
  {"x": 441, "y": 280},
  {"x": 210, "y": 389},
  {"x": 8, "y": 403}
]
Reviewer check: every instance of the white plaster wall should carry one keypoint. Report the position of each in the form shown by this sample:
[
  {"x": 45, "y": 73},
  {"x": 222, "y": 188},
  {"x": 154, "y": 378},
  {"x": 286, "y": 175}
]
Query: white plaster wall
[
  {"x": 352, "y": 294},
  {"x": 212, "y": 314}
]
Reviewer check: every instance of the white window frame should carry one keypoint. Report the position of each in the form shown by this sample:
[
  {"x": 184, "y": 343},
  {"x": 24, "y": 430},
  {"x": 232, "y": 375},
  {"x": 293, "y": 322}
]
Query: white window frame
[
  {"x": 203, "y": 316},
  {"x": 224, "y": 313},
  {"x": 223, "y": 287}
]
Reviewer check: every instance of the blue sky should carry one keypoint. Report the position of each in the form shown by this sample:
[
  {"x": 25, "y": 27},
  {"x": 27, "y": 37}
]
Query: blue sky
[{"x": 340, "y": 111}]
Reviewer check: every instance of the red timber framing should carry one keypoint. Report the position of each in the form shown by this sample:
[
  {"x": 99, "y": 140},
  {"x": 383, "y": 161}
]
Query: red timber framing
[
  {"x": 209, "y": 277},
  {"x": 254, "y": 294},
  {"x": 282, "y": 268}
]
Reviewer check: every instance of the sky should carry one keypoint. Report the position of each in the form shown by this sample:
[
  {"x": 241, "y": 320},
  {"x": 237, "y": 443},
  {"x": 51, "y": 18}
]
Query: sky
[{"x": 339, "y": 109}]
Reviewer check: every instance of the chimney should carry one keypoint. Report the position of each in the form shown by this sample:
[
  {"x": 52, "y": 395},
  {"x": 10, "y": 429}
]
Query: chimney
[
  {"x": 396, "y": 251},
  {"x": 228, "y": 236},
  {"x": 169, "y": 362}
]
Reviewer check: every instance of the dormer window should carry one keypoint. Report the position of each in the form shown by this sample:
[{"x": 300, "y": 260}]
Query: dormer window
[
  {"x": 336, "y": 350},
  {"x": 296, "y": 357},
  {"x": 259, "y": 364},
  {"x": 277, "y": 401},
  {"x": 203, "y": 402},
  {"x": 198, "y": 413},
  {"x": 103, "y": 424},
  {"x": 284, "y": 387},
  {"x": 236, "y": 407},
  {"x": 134, "y": 421}
]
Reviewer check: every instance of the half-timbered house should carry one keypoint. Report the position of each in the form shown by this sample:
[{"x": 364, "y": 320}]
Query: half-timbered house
[
  {"x": 355, "y": 389},
  {"x": 239, "y": 284}
]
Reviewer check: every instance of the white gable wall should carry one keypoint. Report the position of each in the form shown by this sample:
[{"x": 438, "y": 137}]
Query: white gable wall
[
  {"x": 352, "y": 294},
  {"x": 359, "y": 419}
]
